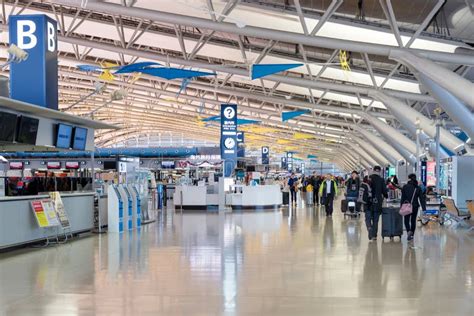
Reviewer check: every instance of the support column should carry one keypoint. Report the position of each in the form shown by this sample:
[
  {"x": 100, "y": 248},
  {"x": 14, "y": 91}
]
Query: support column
[
  {"x": 370, "y": 150},
  {"x": 407, "y": 116},
  {"x": 456, "y": 110},
  {"x": 400, "y": 142},
  {"x": 455, "y": 84},
  {"x": 390, "y": 153},
  {"x": 361, "y": 152}
]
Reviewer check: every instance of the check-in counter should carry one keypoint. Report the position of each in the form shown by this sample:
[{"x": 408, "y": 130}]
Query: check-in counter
[
  {"x": 261, "y": 196},
  {"x": 195, "y": 197},
  {"x": 18, "y": 224}
]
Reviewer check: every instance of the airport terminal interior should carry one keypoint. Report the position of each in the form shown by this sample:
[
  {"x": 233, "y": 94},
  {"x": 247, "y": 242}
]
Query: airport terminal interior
[{"x": 237, "y": 157}]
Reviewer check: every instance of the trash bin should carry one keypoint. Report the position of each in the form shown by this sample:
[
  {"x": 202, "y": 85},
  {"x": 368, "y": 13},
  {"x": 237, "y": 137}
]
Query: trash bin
[
  {"x": 309, "y": 197},
  {"x": 286, "y": 198}
]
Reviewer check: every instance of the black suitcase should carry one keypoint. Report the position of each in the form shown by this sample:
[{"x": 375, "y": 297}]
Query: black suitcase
[
  {"x": 392, "y": 222},
  {"x": 286, "y": 198},
  {"x": 343, "y": 206}
]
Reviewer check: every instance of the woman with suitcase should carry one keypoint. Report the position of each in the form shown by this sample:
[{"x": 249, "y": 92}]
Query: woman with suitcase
[{"x": 412, "y": 193}]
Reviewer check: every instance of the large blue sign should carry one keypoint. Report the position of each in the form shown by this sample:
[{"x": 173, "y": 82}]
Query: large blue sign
[
  {"x": 229, "y": 137},
  {"x": 240, "y": 144},
  {"x": 265, "y": 155},
  {"x": 35, "y": 80}
]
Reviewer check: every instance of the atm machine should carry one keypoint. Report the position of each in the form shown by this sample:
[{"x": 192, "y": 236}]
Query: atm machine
[
  {"x": 115, "y": 210},
  {"x": 136, "y": 206},
  {"x": 127, "y": 206}
]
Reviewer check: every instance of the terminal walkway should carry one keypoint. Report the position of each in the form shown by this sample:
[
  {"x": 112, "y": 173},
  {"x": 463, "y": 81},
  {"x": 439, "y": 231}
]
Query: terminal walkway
[{"x": 290, "y": 262}]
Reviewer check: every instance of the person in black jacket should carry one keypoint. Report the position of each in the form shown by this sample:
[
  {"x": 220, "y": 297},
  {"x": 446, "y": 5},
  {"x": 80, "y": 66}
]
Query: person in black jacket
[
  {"x": 379, "y": 192},
  {"x": 412, "y": 193},
  {"x": 315, "y": 182}
]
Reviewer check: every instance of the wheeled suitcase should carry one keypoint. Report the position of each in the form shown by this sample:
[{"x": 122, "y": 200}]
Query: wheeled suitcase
[
  {"x": 343, "y": 206},
  {"x": 309, "y": 197},
  {"x": 286, "y": 198},
  {"x": 392, "y": 222}
]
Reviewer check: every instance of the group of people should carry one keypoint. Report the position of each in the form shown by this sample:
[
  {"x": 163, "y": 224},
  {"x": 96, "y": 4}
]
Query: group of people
[{"x": 369, "y": 191}]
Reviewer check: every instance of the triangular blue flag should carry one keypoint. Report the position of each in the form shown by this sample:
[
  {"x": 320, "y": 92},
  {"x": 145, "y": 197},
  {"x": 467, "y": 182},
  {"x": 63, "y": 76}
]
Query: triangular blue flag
[
  {"x": 285, "y": 116},
  {"x": 212, "y": 118},
  {"x": 262, "y": 70},
  {"x": 312, "y": 156},
  {"x": 135, "y": 67},
  {"x": 246, "y": 121},
  {"x": 174, "y": 73}
]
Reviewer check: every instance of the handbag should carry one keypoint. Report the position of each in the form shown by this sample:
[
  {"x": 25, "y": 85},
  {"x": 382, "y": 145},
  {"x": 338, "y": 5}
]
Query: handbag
[{"x": 407, "y": 208}]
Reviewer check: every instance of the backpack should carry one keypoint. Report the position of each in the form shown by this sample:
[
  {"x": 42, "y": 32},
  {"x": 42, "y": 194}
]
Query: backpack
[{"x": 365, "y": 193}]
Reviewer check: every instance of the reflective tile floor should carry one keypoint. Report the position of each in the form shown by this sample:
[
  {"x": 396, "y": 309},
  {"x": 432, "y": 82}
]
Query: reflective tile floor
[{"x": 290, "y": 262}]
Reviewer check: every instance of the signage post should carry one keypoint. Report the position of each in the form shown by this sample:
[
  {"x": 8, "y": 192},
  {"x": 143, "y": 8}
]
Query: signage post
[
  {"x": 35, "y": 80},
  {"x": 229, "y": 137},
  {"x": 265, "y": 155}
]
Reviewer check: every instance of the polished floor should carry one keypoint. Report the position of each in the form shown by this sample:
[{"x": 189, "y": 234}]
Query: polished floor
[{"x": 290, "y": 262}]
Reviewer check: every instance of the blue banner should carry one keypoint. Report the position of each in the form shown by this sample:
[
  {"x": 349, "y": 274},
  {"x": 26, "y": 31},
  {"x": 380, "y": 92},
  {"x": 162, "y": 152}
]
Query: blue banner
[
  {"x": 262, "y": 70},
  {"x": 265, "y": 155},
  {"x": 35, "y": 80},
  {"x": 289, "y": 161},
  {"x": 229, "y": 137},
  {"x": 285, "y": 116},
  {"x": 240, "y": 144}
]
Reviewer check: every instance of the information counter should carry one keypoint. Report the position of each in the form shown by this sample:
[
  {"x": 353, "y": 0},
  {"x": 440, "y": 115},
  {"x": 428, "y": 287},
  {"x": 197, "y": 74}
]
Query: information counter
[
  {"x": 195, "y": 197},
  {"x": 18, "y": 224},
  {"x": 261, "y": 196}
]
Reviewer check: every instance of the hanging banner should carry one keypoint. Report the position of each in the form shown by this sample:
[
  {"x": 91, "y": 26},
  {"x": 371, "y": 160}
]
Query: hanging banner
[
  {"x": 35, "y": 80},
  {"x": 289, "y": 161},
  {"x": 423, "y": 175},
  {"x": 59, "y": 209},
  {"x": 229, "y": 137},
  {"x": 262, "y": 70},
  {"x": 285, "y": 116},
  {"x": 240, "y": 144},
  {"x": 265, "y": 155}
]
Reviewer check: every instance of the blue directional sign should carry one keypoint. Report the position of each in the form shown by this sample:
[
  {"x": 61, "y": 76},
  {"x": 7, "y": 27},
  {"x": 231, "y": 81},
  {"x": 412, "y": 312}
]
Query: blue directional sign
[
  {"x": 265, "y": 155},
  {"x": 229, "y": 137},
  {"x": 289, "y": 161},
  {"x": 35, "y": 80}
]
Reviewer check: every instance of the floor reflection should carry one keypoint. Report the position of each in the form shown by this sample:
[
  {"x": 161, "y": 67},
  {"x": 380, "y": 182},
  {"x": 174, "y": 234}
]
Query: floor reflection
[{"x": 292, "y": 261}]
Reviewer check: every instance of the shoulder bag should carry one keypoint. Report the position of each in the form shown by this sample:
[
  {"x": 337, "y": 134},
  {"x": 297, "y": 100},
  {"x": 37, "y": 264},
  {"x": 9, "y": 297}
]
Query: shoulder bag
[{"x": 407, "y": 208}]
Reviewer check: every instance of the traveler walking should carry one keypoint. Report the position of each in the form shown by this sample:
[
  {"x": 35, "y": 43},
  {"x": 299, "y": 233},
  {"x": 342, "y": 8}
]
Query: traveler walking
[
  {"x": 328, "y": 190},
  {"x": 316, "y": 182},
  {"x": 412, "y": 193},
  {"x": 379, "y": 192},
  {"x": 293, "y": 184}
]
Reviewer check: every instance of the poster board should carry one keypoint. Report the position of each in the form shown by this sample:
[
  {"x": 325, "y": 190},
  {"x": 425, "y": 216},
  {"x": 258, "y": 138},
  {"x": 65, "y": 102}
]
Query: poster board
[
  {"x": 59, "y": 209},
  {"x": 44, "y": 213}
]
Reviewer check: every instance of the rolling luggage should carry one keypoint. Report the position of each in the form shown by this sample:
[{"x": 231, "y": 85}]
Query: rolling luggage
[
  {"x": 392, "y": 222},
  {"x": 286, "y": 198},
  {"x": 309, "y": 197},
  {"x": 343, "y": 206}
]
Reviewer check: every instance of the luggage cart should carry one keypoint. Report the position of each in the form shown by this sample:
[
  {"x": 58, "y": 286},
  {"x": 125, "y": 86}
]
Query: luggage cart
[
  {"x": 435, "y": 212},
  {"x": 353, "y": 208}
]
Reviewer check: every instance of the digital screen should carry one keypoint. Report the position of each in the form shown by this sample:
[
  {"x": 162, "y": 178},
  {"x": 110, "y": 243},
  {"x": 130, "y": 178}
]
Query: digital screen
[
  {"x": 15, "y": 165},
  {"x": 72, "y": 165},
  {"x": 110, "y": 165},
  {"x": 431, "y": 173},
  {"x": 27, "y": 130},
  {"x": 7, "y": 126},
  {"x": 64, "y": 136},
  {"x": 53, "y": 165},
  {"x": 80, "y": 138},
  {"x": 167, "y": 164}
]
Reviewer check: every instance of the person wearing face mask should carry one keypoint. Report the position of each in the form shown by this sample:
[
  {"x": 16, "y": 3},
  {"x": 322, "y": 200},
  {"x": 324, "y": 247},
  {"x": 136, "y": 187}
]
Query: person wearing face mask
[
  {"x": 379, "y": 192},
  {"x": 352, "y": 186},
  {"x": 328, "y": 190}
]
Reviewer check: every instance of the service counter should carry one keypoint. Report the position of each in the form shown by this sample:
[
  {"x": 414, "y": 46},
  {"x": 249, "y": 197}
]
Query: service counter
[
  {"x": 18, "y": 224},
  {"x": 261, "y": 196},
  {"x": 195, "y": 197}
]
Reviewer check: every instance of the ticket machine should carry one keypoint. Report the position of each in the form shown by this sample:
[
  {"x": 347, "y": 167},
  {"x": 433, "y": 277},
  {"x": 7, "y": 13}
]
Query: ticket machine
[
  {"x": 136, "y": 205},
  {"x": 115, "y": 210},
  {"x": 127, "y": 207}
]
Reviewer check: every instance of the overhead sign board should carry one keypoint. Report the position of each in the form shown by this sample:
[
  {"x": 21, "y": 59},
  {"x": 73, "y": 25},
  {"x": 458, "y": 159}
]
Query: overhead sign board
[
  {"x": 289, "y": 161},
  {"x": 265, "y": 155},
  {"x": 35, "y": 80}
]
